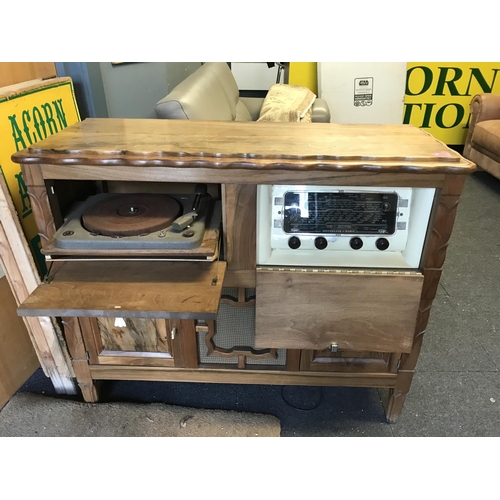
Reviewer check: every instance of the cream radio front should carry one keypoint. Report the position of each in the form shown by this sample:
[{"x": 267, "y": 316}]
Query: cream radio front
[{"x": 344, "y": 226}]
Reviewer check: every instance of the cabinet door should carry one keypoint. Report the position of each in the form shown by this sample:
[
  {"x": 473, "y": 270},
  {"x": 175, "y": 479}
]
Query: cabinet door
[
  {"x": 128, "y": 341},
  {"x": 354, "y": 310}
]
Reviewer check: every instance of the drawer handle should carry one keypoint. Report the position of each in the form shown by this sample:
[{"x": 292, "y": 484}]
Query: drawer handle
[
  {"x": 173, "y": 332},
  {"x": 334, "y": 347}
]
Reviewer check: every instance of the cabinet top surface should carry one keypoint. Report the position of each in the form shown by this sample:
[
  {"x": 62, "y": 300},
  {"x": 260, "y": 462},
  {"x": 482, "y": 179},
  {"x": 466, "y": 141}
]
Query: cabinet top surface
[{"x": 248, "y": 145}]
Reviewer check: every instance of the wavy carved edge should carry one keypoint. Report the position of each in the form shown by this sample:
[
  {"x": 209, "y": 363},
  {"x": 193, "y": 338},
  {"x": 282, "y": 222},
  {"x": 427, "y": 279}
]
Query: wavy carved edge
[
  {"x": 250, "y": 352},
  {"x": 228, "y": 299},
  {"x": 265, "y": 163}
]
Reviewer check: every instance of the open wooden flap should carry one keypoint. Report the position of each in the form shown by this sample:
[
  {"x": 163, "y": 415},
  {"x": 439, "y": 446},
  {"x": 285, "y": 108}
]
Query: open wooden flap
[{"x": 129, "y": 289}]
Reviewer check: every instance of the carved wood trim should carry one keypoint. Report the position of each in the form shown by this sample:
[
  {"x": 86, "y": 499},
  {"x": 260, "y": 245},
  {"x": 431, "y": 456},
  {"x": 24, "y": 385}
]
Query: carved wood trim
[
  {"x": 241, "y": 301},
  {"x": 443, "y": 222},
  {"x": 42, "y": 213}
]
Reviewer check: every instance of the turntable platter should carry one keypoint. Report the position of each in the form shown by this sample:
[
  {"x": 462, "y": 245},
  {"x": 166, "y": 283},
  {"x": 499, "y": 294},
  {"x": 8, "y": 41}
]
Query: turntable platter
[{"x": 131, "y": 214}]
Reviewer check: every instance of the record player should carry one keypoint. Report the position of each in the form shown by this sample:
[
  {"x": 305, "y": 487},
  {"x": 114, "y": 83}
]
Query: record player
[{"x": 140, "y": 225}]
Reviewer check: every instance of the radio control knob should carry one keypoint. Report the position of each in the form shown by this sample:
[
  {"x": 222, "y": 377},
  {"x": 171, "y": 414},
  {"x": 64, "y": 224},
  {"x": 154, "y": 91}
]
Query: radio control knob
[
  {"x": 320, "y": 243},
  {"x": 294, "y": 242},
  {"x": 382, "y": 244},
  {"x": 356, "y": 243}
]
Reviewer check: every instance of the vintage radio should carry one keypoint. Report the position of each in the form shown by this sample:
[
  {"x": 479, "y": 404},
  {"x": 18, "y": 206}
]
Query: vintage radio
[
  {"x": 140, "y": 225},
  {"x": 342, "y": 226}
]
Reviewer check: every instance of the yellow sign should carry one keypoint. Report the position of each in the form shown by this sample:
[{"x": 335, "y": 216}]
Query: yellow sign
[
  {"x": 28, "y": 115},
  {"x": 305, "y": 74},
  {"x": 438, "y": 96}
]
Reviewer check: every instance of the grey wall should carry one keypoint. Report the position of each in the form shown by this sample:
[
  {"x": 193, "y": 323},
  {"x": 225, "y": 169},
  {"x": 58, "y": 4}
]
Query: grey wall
[
  {"x": 128, "y": 90},
  {"x": 89, "y": 90},
  {"x": 133, "y": 89}
]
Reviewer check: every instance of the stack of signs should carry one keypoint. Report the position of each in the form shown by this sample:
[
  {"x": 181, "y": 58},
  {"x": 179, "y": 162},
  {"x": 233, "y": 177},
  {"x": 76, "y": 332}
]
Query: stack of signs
[{"x": 30, "y": 112}]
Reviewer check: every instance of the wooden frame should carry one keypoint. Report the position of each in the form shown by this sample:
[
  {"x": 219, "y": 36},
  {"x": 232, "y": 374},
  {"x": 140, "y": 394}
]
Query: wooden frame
[{"x": 22, "y": 275}]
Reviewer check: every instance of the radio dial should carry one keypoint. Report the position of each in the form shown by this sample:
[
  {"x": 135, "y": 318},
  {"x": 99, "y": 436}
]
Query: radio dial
[
  {"x": 294, "y": 242},
  {"x": 320, "y": 243},
  {"x": 356, "y": 243},
  {"x": 382, "y": 244}
]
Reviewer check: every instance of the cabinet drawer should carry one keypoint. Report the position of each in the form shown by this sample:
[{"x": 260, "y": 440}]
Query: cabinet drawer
[{"x": 359, "y": 311}]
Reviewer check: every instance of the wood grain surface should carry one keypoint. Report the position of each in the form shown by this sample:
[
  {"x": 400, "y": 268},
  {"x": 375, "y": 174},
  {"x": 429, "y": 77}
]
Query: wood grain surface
[
  {"x": 151, "y": 143},
  {"x": 18, "y": 359},
  {"x": 129, "y": 289},
  {"x": 139, "y": 335},
  {"x": 19, "y": 72},
  {"x": 228, "y": 375},
  {"x": 239, "y": 222},
  {"x": 311, "y": 310}
]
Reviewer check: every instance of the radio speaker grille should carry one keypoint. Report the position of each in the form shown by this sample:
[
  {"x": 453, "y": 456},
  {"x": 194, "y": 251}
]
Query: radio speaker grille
[{"x": 235, "y": 326}]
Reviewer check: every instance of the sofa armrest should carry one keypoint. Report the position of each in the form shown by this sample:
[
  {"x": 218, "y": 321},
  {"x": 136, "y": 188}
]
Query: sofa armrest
[
  {"x": 320, "y": 111},
  {"x": 254, "y": 105},
  {"x": 482, "y": 107}
]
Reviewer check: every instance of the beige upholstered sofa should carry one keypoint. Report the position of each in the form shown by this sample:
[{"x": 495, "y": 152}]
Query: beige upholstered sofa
[
  {"x": 211, "y": 93},
  {"x": 482, "y": 145}
]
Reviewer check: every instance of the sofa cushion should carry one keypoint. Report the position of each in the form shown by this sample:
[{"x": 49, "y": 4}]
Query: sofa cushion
[
  {"x": 201, "y": 96},
  {"x": 287, "y": 103},
  {"x": 487, "y": 136},
  {"x": 242, "y": 113},
  {"x": 226, "y": 78}
]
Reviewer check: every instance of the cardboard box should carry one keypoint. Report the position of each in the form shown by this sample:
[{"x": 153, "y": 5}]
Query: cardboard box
[{"x": 30, "y": 112}]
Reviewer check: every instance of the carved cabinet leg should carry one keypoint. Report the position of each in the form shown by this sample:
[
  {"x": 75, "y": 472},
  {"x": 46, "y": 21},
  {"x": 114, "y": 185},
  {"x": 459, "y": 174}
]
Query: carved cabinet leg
[
  {"x": 434, "y": 260},
  {"x": 80, "y": 362}
]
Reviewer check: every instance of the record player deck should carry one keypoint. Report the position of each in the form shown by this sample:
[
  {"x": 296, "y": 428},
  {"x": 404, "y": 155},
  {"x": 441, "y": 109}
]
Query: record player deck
[{"x": 179, "y": 226}]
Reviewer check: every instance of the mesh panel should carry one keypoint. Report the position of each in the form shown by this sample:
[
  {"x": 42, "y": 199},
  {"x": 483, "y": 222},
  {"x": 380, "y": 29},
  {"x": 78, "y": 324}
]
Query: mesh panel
[{"x": 235, "y": 326}]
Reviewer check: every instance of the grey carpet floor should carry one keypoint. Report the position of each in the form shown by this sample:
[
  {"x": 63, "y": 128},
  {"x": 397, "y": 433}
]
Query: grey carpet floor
[{"x": 32, "y": 415}]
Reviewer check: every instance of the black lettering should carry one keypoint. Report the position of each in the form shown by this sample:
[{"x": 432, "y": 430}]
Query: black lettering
[
  {"x": 408, "y": 110},
  {"x": 427, "y": 80},
  {"x": 458, "y": 119},
  {"x": 427, "y": 115},
  {"x": 442, "y": 81},
  {"x": 476, "y": 73}
]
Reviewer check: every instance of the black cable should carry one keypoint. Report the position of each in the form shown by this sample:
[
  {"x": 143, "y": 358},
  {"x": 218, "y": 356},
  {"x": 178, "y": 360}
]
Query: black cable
[{"x": 321, "y": 393}]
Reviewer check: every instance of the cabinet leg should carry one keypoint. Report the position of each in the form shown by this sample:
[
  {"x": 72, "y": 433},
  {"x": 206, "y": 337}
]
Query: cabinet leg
[
  {"x": 87, "y": 384},
  {"x": 397, "y": 396},
  {"x": 89, "y": 392}
]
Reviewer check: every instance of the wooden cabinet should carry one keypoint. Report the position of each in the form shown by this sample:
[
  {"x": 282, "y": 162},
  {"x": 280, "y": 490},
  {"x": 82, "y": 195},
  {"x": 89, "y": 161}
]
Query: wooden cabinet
[{"x": 229, "y": 320}]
